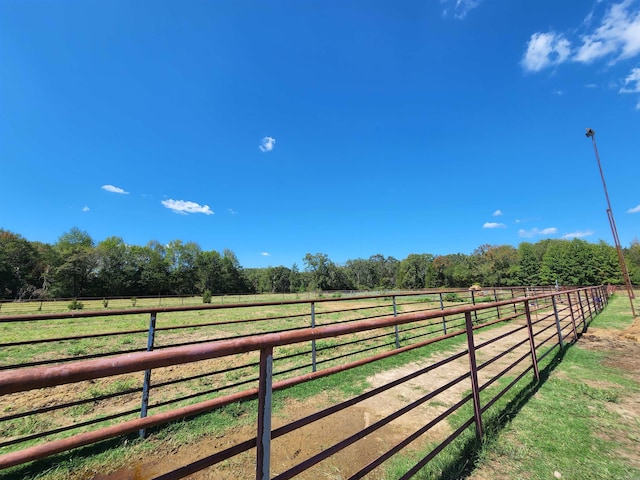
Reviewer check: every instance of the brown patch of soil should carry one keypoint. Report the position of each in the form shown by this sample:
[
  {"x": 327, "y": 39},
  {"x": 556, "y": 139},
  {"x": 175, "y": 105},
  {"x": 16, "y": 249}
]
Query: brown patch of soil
[{"x": 292, "y": 448}]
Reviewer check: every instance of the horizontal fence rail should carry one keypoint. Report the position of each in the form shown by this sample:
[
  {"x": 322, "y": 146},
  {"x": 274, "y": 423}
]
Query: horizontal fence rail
[{"x": 143, "y": 360}]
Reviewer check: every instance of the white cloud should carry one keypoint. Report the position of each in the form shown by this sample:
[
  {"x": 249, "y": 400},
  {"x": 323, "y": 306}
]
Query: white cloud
[
  {"x": 558, "y": 92},
  {"x": 615, "y": 36},
  {"x": 461, "y": 7},
  {"x": 632, "y": 82},
  {"x": 112, "y": 189},
  {"x": 267, "y": 144},
  {"x": 535, "y": 232},
  {"x": 634, "y": 210},
  {"x": 85, "y": 209},
  {"x": 497, "y": 213},
  {"x": 494, "y": 225},
  {"x": 579, "y": 234},
  {"x": 184, "y": 207},
  {"x": 618, "y": 34},
  {"x": 265, "y": 254},
  {"x": 545, "y": 50},
  {"x": 232, "y": 211}
]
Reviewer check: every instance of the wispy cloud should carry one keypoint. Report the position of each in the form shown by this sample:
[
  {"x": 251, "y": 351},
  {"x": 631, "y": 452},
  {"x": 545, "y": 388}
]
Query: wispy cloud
[
  {"x": 265, "y": 254},
  {"x": 632, "y": 84},
  {"x": 113, "y": 189},
  {"x": 545, "y": 50},
  {"x": 267, "y": 144},
  {"x": 617, "y": 35},
  {"x": 579, "y": 234},
  {"x": 497, "y": 213},
  {"x": 184, "y": 207},
  {"x": 494, "y": 225},
  {"x": 459, "y": 8},
  {"x": 634, "y": 210},
  {"x": 558, "y": 92},
  {"x": 612, "y": 36},
  {"x": 85, "y": 209},
  {"x": 534, "y": 232},
  {"x": 232, "y": 211}
]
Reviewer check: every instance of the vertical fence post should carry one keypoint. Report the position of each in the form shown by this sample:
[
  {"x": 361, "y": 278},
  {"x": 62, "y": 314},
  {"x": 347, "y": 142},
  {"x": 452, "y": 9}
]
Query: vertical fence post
[
  {"x": 473, "y": 370},
  {"x": 473, "y": 301},
  {"x": 313, "y": 340},
  {"x": 586, "y": 296},
  {"x": 444, "y": 318},
  {"x": 532, "y": 343},
  {"x": 596, "y": 299},
  {"x": 515, "y": 307},
  {"x": 558, "y": 327},
  {"x": 495, "y": 297},
  {"x": 263, "y": 454},
  {"x": 603, "y": 295},
  {"x": 573, "y": 318},
  {"x": 584, "y": 317},
  {"x": 147, "y": 374},
  {"x": 395, "y": 314}
]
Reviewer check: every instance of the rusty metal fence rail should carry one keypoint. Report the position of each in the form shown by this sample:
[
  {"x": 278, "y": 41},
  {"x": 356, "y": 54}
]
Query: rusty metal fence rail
[
  {"x": 540, "y": 324},
  {"x": 44, "y": 339}
]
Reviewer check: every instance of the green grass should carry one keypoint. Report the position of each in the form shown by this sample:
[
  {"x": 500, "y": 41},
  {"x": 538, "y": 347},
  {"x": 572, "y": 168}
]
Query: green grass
[
  {"x": 569, "y": 426},
  {"x": 617, "y": 314},
  {"x": 568, "y": 423},
  {"x": 345, "y": 384}
]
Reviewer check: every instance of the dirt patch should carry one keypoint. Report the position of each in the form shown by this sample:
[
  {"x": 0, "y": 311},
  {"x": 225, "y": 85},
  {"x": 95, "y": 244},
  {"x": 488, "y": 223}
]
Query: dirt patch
[{"x": 302, "y": 444}]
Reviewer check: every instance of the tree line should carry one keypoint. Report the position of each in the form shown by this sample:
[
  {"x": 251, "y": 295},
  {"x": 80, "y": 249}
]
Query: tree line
[{"x": 75, "y": 266}]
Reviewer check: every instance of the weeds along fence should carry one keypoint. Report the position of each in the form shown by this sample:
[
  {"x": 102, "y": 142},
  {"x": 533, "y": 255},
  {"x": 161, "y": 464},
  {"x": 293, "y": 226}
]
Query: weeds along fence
[{"x": 76, "y": 378}]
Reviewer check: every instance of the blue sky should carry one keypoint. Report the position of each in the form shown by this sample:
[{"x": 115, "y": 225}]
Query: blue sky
[{"x": 277, "y": 128}]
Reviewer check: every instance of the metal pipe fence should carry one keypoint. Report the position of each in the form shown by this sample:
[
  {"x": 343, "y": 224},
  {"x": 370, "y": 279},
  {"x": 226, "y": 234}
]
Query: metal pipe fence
[{"x": 239, "y": 357}]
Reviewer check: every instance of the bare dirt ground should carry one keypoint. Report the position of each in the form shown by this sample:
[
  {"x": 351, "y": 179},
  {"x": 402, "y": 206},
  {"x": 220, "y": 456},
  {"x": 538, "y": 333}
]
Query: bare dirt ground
[{"x": 306, "y": 442}]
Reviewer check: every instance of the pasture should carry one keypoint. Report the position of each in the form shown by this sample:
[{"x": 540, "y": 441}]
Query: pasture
[{"x": 114, "y": 399}]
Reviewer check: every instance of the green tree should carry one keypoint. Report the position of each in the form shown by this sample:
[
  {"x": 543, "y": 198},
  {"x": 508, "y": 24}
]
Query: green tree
[
  {"x": 361, "y": 273},
  {"x": 19, "y": 266},
  {"x": 453, "y": 271},
  {"x": 182, "y": 259},
  {"x": 528, "y": 265},
  {"x": 494, "y": 265},
  {"x": 115, "y": 271},
  {"x": 295, "y": 279},
  {"x": 209, "y": 271},
  {"x": 279, "y": 279},
  {"x": 416, "y": 271},
  {"x": 385, "y": 270},
  {"x": 318, "y": 266},
  {"x": 632, "y": 256},
  {"x": 233, "y": 278},
  {"x": 74, "y": 275},
  {"x": 154, "y": 268}
]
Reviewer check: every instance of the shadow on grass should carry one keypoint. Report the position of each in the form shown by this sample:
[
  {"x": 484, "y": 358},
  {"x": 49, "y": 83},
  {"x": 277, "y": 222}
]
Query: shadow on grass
[
  {"x": 464, "y": 463},
  {"x": 66, "y": 460}
]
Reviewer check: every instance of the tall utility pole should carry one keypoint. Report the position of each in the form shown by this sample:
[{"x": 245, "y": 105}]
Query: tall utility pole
[{"x": 614, "y": 230}]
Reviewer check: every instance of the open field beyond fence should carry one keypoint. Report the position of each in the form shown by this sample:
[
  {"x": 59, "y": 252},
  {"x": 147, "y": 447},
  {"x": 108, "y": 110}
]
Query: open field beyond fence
[{"x": 72, "y": 379}]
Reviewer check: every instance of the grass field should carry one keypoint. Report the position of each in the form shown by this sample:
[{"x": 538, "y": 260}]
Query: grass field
[{"x": 456, "y": 462}]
